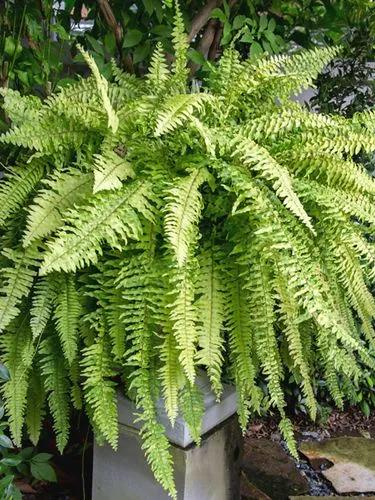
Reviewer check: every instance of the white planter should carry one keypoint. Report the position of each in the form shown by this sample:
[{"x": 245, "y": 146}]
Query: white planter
[{"x": 209, "y": 472}]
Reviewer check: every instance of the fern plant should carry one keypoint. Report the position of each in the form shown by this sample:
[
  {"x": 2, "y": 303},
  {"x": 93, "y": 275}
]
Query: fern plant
[{"x": 151, "y": 228}]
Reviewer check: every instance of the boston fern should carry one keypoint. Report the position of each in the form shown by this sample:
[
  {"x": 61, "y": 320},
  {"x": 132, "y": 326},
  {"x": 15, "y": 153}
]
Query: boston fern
[{"x": 152, "y": 227}]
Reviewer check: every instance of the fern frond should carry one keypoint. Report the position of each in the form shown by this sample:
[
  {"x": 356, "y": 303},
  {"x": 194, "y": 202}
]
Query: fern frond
[
  {"x": 259, "y": 159},
  {"x": 180, "y": 46},
  {"x": 192, "y": 406},
  {"x": 241, "y": 344},
  {"x": 20, "y": 108},
  {"x": 183, "y": 315},
  {"x": 17, "y": 281},
  {"x": 102, "y": 86},
  {"x": 17, "y": 345},
  {"x": 35, "y": 406},
  {"x": 211, "y": 314},
  {"x": 66, "y": 315},
  {"x": 99, "y": 389},
  {"x": 15, "y": 189},
  {"x": 155, "y": 443},
  {"x": 44, "y": 295},
  {"x": 56, "y": 383},
  {"x": 158, "y": 73},
  {"x": 178, "y": 109},
  {"x": 170, "y": 375},
  {"x": 110, "y": 217},
  {"x": 64, "y": 190},
  {"x": 182, "y": 213},
  {"x": 110, "y": 170}
]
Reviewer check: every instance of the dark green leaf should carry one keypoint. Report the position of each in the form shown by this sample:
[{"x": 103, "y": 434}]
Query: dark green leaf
[
  {"x": 11, "y": 461},
  {"x": 255, "y": 50},
  {"x": 218, "y": 14},
  {"x": 196, "y": 56},
  {"x": 41, "y": 457},
  {"x": 149, "y": 6},
  {"x": 142, "y": 52},
  {"x": 132, "y": 38},
  {"x": 238, "y": 22},
  {"x": 4, "y": 373},
  {"x": 5, "y": 442},
  {"x": 263, "y": 21},
  {"x": 43, "y": 471}
]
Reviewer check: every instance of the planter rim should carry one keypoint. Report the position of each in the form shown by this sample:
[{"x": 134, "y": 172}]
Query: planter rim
[{"x": 215, "y": 413}]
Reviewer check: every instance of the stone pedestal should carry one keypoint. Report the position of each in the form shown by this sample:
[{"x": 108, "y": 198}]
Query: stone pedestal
[{"x": 210, "y": 472}]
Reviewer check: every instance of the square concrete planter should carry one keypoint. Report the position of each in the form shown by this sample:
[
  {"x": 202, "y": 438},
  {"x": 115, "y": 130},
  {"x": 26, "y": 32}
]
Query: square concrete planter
[{"x": 210, "y": 472}]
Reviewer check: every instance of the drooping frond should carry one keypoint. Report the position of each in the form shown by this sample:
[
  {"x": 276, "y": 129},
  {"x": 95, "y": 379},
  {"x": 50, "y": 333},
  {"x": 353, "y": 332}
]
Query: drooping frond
[
  {"x": 184, "y": 318},
  {"x": 56, "y": 383},
  {"x": 99, "y": 389},
  {"x": 211, "y": 313},
  {"x": 192, "y": 406},
  {"x": 241, "y": 344},
  {"x": 182, "y": 213},
  {"x": 170, "y": 375},
  {"x": 66, "y": 315},
  {"x": 35, "y": 407},
  {"x": 259, "y": 159},
  {"x": 17, "y": 280},
  {"x": 18, "y": 350},
  {"x": 155, "y": 443},
  {"x": 44, "y": 295}
]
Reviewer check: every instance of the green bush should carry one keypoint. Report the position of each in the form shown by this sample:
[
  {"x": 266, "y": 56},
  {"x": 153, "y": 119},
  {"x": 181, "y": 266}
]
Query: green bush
[{"x": 150, "y": 229}]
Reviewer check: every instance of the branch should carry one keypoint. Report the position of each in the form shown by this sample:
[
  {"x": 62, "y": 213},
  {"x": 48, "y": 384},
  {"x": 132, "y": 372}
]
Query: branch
[
  {"x": 202, "y": 17},
  {"x": 205, "y": 44},
  {"x": 116, "y": 29}
]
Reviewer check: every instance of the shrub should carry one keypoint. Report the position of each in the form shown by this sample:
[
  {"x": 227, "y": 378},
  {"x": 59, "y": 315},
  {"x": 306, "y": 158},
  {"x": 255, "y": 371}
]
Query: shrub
[{"x": 149, "y": 229}]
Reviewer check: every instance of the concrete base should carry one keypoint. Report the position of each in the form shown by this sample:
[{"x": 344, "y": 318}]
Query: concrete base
[{"x": 210, "y": 472}]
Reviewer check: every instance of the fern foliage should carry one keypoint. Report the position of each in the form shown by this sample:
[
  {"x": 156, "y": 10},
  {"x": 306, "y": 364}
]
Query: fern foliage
[{"x": 160, "y": 228}]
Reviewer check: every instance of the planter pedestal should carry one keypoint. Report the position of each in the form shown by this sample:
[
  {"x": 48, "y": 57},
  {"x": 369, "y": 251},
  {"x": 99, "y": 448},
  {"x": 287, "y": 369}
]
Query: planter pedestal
[{"x": 210, "y": 472}]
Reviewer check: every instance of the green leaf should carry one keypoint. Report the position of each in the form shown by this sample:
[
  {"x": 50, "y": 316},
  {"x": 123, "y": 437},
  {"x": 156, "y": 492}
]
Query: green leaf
[
  {"x": 132, "y": 38},
  {"x": 218, "y": 14},
  {"x": 263, "y": 22},
  {"x": 271, "y": 24},
  {"x": 239, "y": 22},
  {"x": 11, "y": 47},
  {"x": 149, "y": 6},
  {"x": 27, "y": 453},
  {"x": 43, "y": 471},
  {"x": 110, "y": 43},
  {"x": 365, "y": 408},
  {"x": 255, "y": 50},
  {"x": 142, "y": 52},
  {"x": 5, "y": 442},
  {"x": 96, "y": 45},
  {"x": 60, "y": 31},
  {"x": 196, "y": 56},
  {"x": 11, "y": 461},
  {"x": 41, "y": 457},
  {"x": 4, "y": 373},
  {"x": 161, "y": 30},
  {"x": 247, "y": 37}
]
